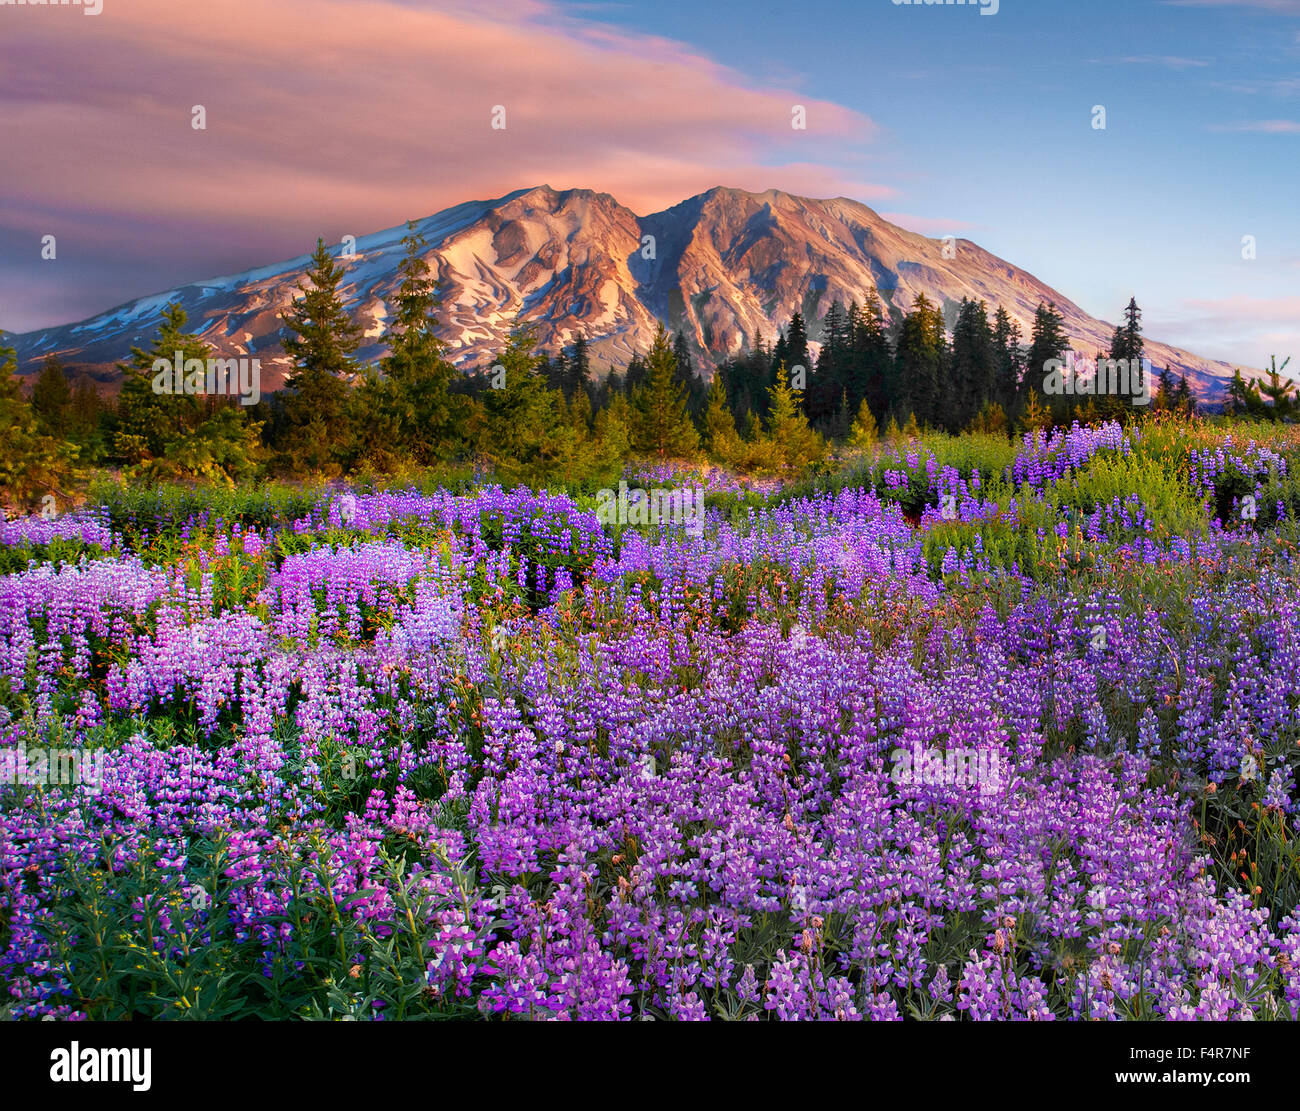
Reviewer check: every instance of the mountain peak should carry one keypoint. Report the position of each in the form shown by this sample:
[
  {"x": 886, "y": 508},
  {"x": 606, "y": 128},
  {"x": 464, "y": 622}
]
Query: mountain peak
[{"x": 727, "y": 267}]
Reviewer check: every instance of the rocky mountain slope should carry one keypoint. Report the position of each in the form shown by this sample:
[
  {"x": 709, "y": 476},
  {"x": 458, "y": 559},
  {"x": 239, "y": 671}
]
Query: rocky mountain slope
[{"x": 726, "y": 267}]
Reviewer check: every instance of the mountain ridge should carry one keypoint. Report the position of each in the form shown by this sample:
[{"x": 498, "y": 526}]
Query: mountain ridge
[{"x": 725, "y": 266}]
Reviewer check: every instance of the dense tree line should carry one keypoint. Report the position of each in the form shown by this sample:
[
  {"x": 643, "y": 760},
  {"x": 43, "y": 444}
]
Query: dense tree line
[{"x": 534, "y": 417}]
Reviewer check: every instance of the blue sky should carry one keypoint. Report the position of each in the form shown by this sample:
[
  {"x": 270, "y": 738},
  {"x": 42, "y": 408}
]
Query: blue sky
[
  {"x": 333, "y": 117},
  {"x": 987, "y": 128}
]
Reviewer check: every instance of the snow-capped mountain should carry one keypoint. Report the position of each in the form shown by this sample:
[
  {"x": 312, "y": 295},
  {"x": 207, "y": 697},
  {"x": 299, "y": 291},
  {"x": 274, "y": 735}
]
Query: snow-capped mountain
[{"x": 726, "y": 267}]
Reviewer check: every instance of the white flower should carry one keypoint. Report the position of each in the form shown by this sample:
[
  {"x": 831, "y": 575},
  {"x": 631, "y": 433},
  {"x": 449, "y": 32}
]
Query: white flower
[{"x": 1249, "y": 768}]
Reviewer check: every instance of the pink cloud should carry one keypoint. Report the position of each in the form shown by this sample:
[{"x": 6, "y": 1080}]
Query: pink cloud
[
  {"x": 1238, "y": 329},
  {"x": 327, "y": 117}
]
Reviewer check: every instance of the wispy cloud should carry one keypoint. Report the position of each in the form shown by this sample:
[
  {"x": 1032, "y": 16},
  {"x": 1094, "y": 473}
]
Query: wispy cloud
[
  {"x": 1224, "y": 327},
  {"x": 1166, "y": 61},
  {"x": 1286, "y": 7},
  {"x": 1270, "y": 127},
  {"x": 1287, "y": 86}
]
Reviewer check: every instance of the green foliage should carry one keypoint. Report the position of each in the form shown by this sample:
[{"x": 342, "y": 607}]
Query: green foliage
[
  {"x": 864, "y": 434},
  {"x": 33, "y": 465},
  {"x": 164, "y": 435},
  {"x": 1048, "y": 341},
  {"x": 662, "y": 426},
  {"x": 316, "y": 432},
  {"x": 793, "y": 443},
  {"x": 404, "y": 413},
  {"x": 137, "y": 941},
  {"x": 525, "y": 437},
  {"x": 52, "y": 400},
  {"x": 922, "y": 362},
  {"x": 720, "y": 437}
]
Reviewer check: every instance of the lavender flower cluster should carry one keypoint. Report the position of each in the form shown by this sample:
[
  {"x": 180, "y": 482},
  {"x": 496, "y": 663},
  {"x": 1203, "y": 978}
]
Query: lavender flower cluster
[{"x": 654, "y": 779}]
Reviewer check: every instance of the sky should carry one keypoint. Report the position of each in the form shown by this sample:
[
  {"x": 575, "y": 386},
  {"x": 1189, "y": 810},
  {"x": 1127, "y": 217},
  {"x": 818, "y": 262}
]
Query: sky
[{"x": 328, "y": 118}]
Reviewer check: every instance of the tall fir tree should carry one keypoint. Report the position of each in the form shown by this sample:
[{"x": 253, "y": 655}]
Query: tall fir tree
[
  {"x": 974, "y": 363},
  {"x": 793, "y": 442},
  {"x": 1127, "y": 342},
  {"x": 663, "y": 427},
  {"x": 1010, "y": 369},
  {"x": 316, "y": 434},
  {"x": 683, "y": 364},
  {"x": 872, "y": 378},
  {"x": 52, "y": 399},
  {"x": 796, "y": 345},
  {"x": 526, "y": 434},
  {"x": 864, "y": 432},
  {"x": 151, "y": 421},
  {"x": 720, "y": 437},
  {"x": 414, "y": 398},
  {"x": 1047, "y": 342},
  {"x": 33, "y": 465},
  {"x": 577, "y": 373},
  {"x": 921, "y": 358}
]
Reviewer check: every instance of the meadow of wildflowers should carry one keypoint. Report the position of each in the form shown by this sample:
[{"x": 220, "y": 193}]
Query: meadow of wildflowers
[{"x": 392, "y": 754}]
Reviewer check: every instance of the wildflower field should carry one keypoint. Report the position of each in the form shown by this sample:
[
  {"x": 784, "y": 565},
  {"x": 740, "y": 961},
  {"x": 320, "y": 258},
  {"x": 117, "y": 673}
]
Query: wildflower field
[{"x": 961, "y": 728}]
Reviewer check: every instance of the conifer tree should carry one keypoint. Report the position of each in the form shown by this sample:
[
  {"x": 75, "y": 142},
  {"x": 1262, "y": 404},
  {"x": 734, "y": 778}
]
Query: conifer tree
[
  {"x": 796, "y": 344},
  {"x": 577, "y": 372},
  {"x": 526, "y": 434},
  {"x": 33, "y": 465},
  {"x": 1238, "y": 393},
  {"x": 974, "y": 363},
  {"x": 84, "y": 414},
  {"x": 417, "y": 400},
  {"x": 794, "y": 443},
  {"x": 52, "y": 399},
  {"x": 721, "y": 439},
  {"x": 663, "y": 426},
  {"x": 636, "y": 374},
  {"x": 871, "y": 377},
  {"x": 1047, "y": 342},
  {"x": 921, "y": 356},
  {"x": 613, "y": 426},
  {"x": 1010, "y": 370},
  {"x": 864, "y": 433},
  {"x": 150, "y": 421},
  {"x": 1127, "y": 342},
  {"x": 683, "y": 364},
  {"x": 1278, "y": 391},
  {"x": 324, "y": 340},
  {"x": 1164, "y": 399},
  {"x": 1036, "y": 415}
]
